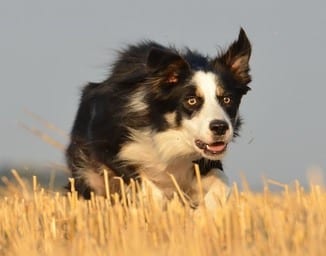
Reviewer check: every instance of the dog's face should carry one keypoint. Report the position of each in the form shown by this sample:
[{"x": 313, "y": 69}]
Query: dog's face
[
  {"x": 209, "y": 113},
  {"x": 201, "y": 97}
]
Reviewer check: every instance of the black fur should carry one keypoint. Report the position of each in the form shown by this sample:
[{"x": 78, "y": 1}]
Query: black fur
[{"x": 103, "y": 118}]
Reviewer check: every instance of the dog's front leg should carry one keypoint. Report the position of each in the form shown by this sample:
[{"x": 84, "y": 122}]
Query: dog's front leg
[{"x": 216, "y": 189}]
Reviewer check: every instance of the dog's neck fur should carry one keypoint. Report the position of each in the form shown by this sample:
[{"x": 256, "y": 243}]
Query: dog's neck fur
[{"x": 156, "y": 166}]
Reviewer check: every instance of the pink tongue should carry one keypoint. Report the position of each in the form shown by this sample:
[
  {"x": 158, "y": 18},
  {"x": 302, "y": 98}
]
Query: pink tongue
[{"x": 216, "y": 147}]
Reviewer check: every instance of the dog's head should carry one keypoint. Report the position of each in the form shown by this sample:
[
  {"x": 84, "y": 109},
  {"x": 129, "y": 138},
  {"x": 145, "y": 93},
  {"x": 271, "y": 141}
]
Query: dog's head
[{"x": 199, "y": 97}]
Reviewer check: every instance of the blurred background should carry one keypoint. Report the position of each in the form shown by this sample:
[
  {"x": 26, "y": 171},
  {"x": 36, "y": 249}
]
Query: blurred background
[{"x": 50, "y": 49}]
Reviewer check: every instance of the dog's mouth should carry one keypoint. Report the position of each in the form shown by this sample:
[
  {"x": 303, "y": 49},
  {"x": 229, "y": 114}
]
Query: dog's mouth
[{"x": 214, "y": 148}]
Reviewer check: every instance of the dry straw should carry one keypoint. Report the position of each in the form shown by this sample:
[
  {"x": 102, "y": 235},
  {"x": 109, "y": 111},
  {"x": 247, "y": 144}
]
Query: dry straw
[{"x": 39, "y": 222}]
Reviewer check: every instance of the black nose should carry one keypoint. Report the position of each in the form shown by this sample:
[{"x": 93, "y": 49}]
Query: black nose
[{"x": 218, "y": 127}]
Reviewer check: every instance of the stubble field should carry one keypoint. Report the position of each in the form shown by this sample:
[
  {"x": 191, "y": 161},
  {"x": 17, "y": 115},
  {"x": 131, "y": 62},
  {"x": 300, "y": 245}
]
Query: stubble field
[{"x": 34, "y": 221}]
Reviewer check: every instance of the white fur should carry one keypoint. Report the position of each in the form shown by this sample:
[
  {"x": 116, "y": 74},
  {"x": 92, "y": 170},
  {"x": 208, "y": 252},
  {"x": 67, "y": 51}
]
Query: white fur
[
  {"x": 136, "y": 103},
  {"x": 94, "y": 180},
  {"x": 160, "y": 155},
  {"x": 216, "y": 188}
]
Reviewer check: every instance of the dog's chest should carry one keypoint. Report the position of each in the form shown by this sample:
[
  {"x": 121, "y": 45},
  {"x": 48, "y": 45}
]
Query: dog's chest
[
  {"x": 180, "y": 172},
  {"x": 163, "y": 174}
]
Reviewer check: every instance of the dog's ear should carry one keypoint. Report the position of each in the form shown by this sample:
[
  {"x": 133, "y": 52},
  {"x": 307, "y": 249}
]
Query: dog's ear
[
  {"x": 236, "y": 58},
  {"x": 168, "y": 65}
]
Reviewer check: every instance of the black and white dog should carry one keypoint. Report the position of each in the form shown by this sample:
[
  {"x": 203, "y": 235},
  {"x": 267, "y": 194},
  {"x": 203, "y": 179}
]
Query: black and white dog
[{"x": 160, "y": 111}]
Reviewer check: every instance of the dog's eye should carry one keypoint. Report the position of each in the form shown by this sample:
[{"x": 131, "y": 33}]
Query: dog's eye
[
  {"x": 226, "y": 100},
  {"x": 192, "y": 101}
]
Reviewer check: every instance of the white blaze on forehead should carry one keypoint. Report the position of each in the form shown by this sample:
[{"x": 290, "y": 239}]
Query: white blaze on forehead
[
  {"x": 207, "y": 82},
  {"x": 208, "y": 87}
]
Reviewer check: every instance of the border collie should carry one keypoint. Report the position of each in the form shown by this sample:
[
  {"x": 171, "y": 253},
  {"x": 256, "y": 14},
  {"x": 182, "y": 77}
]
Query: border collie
[{"x": 160, "y": 111}]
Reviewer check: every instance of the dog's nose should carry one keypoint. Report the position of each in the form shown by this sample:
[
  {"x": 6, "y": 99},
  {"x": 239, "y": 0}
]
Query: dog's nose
[{"x": 218, "y": 127}]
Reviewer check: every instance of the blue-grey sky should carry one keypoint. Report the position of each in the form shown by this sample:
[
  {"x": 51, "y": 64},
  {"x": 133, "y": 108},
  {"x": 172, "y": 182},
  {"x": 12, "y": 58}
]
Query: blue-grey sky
[{"x": 50, "y": 49}]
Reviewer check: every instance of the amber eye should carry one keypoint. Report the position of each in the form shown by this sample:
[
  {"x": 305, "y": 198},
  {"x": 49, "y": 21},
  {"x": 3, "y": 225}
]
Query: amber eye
[
  {"x": 192, "y": 101},
  {"x": 226, "y": 100}
]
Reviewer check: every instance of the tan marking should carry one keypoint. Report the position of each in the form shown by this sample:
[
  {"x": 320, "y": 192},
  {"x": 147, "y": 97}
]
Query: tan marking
[
  {"x": 219, "y": 89},
  {"x": 199, "y": 92},
  {"x": 170, "y": 118},
  {"x": 173, "y": 78}
]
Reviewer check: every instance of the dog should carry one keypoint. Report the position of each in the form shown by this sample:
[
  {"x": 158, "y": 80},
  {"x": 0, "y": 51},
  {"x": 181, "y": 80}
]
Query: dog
[{"x": 160, "y": 111}]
